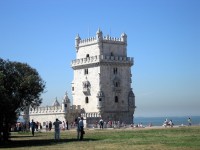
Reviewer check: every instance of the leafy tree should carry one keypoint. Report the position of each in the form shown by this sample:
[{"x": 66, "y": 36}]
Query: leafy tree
[{"x": 20, "y": 86}]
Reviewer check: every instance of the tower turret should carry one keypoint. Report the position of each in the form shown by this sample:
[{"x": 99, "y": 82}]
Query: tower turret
[
  {"x": 99, "y": 35},
  {"x": 77, "y": 41},
  {"x": 65, "y": 102},
  {"x": 124, "y": 37}
]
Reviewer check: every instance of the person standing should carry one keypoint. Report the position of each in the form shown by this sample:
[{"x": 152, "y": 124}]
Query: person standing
[
  {"x": 67, "y": 125},
  {"x": 50, "y": 125},
  {"x": 57, "y": 129},
  {"x": 77, "y": 127},
  {"x": 81, "y": 125},
  {"x": 63, "y": 125},
  {"x": 47, "y": 126},
  {"x": 32, "y": 127},
  {"x": 189, "y": 121},
  {"x": 101, "y": 123}
]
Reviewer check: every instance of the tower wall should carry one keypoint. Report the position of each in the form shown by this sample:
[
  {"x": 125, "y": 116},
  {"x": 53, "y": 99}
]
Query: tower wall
[
  {"x": 91, "y": 50},
  {"x": 79, "y": 97},
  {"x": 110, "y": 91}
]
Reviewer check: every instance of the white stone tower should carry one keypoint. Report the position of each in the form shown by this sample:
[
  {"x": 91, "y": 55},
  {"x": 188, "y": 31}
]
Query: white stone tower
[{"x": 102, "y": 78}]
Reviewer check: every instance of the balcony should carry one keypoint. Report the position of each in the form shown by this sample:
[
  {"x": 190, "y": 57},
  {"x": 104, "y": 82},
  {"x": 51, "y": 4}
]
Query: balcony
[
  {"x": 102, "y": 58},
  {"x": 86, "y": 91}
]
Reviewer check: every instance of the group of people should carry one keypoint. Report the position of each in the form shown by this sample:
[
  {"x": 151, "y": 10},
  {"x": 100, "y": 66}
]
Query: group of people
[
  {"x": 80, "y": 128},
  {"x": 48, "y": 126},
  {"x": 171, "y": 124},
  {"x": 168, "y": 123},
  {"x": 110, "y": 124},
  {"x": 57, "y": 123}
]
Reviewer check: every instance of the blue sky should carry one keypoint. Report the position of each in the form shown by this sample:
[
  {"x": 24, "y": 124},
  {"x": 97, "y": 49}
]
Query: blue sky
[{"x": 163, "y": 38}]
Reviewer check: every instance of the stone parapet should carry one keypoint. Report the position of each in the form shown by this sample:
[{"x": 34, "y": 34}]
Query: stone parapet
[
  {"x": 106, "y": 39},
  {"x": 85, "y": 61}
]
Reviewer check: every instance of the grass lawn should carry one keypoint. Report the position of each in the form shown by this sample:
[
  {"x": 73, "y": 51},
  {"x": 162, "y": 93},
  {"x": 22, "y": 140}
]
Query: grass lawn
[{"x": 183, "y": 138}]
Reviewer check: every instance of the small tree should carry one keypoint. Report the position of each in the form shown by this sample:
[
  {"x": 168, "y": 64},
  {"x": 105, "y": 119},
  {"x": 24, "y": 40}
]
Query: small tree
[
  {"x": 20, "y": 86},
  {"x": 70, "y": 116}
]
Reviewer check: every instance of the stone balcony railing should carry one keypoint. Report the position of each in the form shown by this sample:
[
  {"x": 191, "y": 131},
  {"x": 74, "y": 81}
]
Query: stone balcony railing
[{"x": 101, "y": 58}]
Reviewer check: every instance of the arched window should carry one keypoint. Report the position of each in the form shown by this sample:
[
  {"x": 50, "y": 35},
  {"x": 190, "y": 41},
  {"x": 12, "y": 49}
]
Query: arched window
[
  {"x": 116, "y": 99},
  {"x": 111, "y": 54},
  {"x": 100, "y": 99},
  {"x": 86, "y": 100},
  {"x": 87, "y": 55}
]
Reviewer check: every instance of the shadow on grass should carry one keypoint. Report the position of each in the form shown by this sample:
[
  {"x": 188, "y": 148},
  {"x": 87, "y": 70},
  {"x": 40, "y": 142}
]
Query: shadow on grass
[
  {"x": 20, "y": 136},
  {"x": 39, "y": 142}
]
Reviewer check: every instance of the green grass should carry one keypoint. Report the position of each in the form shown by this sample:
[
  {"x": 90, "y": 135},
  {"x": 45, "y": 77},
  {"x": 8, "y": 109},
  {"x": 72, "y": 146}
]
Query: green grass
[{"x": 184, "y": 138}]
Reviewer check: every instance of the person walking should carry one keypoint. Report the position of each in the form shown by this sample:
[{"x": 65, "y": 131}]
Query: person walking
[
  {"x": 32, "y": 127},
  {"x": 57, "y": 129},
  {"x": 81, "y": 125}
]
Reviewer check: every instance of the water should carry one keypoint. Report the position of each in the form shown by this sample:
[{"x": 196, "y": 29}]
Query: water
[{"x": 158, "y": 121}]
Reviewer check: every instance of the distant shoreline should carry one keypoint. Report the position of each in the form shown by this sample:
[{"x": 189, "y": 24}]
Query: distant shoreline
[{"x": 158, "y": 121}]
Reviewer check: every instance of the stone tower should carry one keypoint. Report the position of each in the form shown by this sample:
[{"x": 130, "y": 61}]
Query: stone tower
[{"x": 102, "y": 78}]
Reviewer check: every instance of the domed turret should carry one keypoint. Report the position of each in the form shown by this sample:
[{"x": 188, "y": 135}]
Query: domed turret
[{"x": 56, "y": 103}]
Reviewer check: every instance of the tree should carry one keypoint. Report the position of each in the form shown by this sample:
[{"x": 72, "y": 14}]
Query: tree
[
  {"x": 20, "y": 86},
  {"x": 71, "y": 115}
]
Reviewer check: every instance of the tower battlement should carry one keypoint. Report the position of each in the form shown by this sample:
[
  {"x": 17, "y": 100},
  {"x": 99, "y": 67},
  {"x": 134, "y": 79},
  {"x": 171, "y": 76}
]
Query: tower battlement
[{"x": 100, "y": 39}]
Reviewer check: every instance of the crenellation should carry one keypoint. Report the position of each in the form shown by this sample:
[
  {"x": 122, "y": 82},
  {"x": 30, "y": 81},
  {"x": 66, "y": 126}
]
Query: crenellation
[
  {"x": 92, "y": 40},
  {"x": 88, "y": 40}
]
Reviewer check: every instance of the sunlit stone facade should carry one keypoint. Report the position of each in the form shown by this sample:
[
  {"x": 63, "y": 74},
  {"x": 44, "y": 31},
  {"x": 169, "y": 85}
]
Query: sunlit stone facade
[{"x": 102, "y": 78}]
